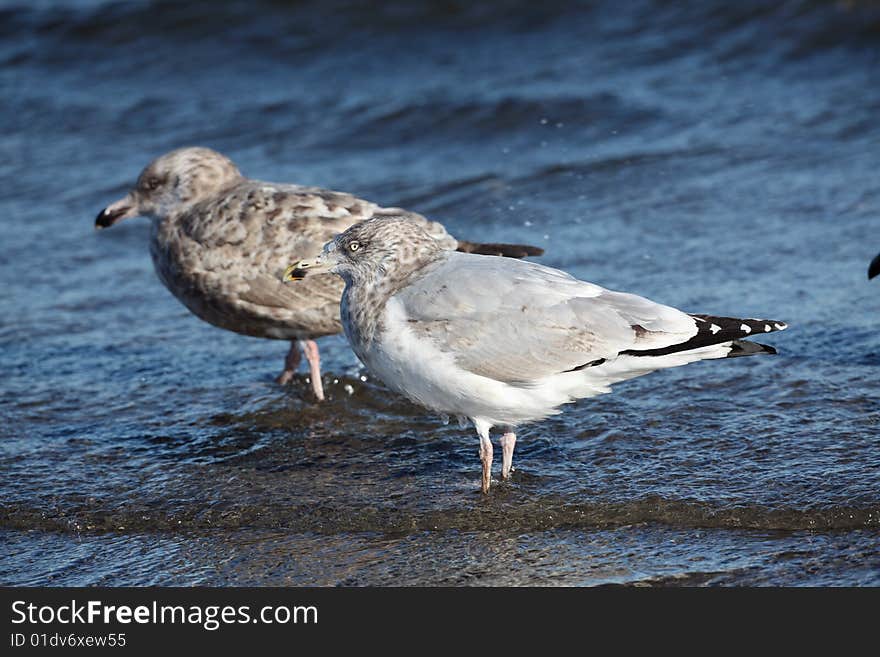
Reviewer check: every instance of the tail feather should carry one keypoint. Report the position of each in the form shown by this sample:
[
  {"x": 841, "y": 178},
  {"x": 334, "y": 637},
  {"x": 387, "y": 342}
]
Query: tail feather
[
  {"x": 504, "y": 250},
  {"x": 874, "y": 267}
]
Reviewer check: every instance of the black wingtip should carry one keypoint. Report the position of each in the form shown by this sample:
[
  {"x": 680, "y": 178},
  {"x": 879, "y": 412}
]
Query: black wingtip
[
  {"x": 713, "y": 329},
  {"x": 874, "y": 267},
  {"x": 749, "y": 348},
  {"x": 501, "y": 250}
]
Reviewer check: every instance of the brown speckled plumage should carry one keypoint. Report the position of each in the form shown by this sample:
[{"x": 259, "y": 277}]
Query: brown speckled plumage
[
  {"x": 224, "y": 257},
  {"x": 220, "y": 243}
]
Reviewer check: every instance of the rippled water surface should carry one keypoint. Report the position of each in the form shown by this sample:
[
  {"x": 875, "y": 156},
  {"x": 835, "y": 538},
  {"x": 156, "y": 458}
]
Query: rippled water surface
[{"x": 720, "y": 157}]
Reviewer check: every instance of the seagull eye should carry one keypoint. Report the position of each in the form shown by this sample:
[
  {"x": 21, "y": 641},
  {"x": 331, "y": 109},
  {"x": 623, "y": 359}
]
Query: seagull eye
[
  {"x": 153, "y": 183},
  {"x": 354, "y": 246}
]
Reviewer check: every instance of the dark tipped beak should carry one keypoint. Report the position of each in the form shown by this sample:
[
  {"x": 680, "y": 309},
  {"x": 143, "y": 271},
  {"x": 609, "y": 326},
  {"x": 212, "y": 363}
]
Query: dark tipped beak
[
  {"x": 293, "y": 273},
  {"x": 114, "y": 213},
  {"x": 107, "y": 217},
  {"x": 874, "y": 268}
]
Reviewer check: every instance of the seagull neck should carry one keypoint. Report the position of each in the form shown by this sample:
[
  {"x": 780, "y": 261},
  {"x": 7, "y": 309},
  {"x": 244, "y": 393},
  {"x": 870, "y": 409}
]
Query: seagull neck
[
  {"x": 364, "y": 299},
  {"x": 362, "y": 307}
]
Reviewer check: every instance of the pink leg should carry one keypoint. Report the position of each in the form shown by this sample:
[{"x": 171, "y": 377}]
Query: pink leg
[
  {"x": 291, "y": 362},
  {"x": 485, "y": 454},
  {"x": 486, "y": 458},
  {"x": 508, "y": 442},
  {"x": 310, "y": 349}
]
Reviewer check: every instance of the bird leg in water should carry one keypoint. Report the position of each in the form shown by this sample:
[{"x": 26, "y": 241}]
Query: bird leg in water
[
  {"x": 485, "y": 454},
  {"x": 291, "y": 362},
  {"x": 508, "y": 442},
  {"x": 310, "y": 349}
]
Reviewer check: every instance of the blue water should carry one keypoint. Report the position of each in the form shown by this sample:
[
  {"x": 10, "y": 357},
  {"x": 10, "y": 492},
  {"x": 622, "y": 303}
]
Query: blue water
[{"x": 718, "y": 157}]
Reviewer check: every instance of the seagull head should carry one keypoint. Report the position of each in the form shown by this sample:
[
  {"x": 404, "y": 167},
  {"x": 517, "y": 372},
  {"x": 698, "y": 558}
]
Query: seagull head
[
  {"x": 386, "y": 245},
  {"x": 171, "y": 183}
]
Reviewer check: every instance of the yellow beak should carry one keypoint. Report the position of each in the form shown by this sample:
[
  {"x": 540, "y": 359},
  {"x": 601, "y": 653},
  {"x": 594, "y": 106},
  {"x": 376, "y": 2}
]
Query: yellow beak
[{"x": 298, "y": 270}]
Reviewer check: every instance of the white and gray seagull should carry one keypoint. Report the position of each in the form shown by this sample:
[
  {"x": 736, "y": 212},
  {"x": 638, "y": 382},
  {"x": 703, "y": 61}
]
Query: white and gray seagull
[
  {"x": 502, "y": 342},
  {"x": 220, "y": 242}
]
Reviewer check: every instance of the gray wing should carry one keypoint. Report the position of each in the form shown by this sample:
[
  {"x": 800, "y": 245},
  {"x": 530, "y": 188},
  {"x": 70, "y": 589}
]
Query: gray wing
[
  {"x": 518, "y": 321},
  {"x": 237, "y": 247}
]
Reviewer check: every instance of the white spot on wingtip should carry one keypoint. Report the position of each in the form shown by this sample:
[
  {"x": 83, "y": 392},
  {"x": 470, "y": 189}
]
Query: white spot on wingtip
[
  {"x": 767, "y": 328},
  {"x": 780, "y": 326},
  {"x": 745, "y": 328},
  {"x": 714, "y": 328}
]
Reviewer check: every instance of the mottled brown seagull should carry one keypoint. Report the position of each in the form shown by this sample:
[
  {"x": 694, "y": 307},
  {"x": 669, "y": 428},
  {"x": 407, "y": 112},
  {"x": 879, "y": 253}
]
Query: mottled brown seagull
[
  {"x": 220, "y": 242},
  {"x": 503, "y": 342}
]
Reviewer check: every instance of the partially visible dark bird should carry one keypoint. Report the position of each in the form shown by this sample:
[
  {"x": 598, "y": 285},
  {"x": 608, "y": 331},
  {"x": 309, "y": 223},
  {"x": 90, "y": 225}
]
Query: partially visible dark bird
[{"x": 874, "y": 267}]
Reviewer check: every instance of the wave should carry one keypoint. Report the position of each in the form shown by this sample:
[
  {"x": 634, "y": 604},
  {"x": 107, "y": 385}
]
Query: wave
[
  {"x": 443, "y": 119},
  {"x": 537, "y": 514},
  {"x": 736, "y": 29}
]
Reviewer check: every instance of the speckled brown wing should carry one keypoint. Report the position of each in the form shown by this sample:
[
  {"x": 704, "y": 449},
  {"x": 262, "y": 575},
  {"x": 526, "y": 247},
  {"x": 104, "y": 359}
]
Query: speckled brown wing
[
  {"x": 224, "y": 258},
  {"x": 433, "y": 228}
]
